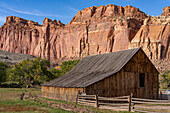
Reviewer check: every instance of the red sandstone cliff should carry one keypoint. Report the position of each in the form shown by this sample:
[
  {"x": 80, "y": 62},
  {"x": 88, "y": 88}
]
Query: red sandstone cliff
[
  {"x": 94, "y": 30},
  {"x": 166, "y": 11},
  {"x": 154, "y": 37}
]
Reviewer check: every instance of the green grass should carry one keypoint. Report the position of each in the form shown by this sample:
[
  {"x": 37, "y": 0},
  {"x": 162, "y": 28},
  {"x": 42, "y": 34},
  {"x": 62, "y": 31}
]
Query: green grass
[
  {"x": 10, "y": 102},
  {"x": 88, "y": 108}
]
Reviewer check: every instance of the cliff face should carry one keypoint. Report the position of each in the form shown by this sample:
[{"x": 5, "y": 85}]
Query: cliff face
[
  {"x": 94, "y": 30},
  {"x": 27, "y": 37},
  {"x": 154, "y": 37},
  {"x": 166, "y": 11}
]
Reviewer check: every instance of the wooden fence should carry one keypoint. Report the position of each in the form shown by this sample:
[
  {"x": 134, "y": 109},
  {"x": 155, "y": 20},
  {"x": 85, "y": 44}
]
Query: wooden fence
[
  {"x": 127, "y": 103},
  {"x": 145, "y": 105},
  {"x": 123, "y": 102}
]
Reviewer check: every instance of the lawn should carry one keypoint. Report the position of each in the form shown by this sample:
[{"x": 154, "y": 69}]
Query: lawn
[{"x": 10, "y": 103}]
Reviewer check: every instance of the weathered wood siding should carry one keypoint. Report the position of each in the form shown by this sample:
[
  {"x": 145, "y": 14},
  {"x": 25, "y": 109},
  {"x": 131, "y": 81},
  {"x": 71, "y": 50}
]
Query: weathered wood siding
[
  {"x": 126, "y": 81},
  {"x": 67, "y": 94}
]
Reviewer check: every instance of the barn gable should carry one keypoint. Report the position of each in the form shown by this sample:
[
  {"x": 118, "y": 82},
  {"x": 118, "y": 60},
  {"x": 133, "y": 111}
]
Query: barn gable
[
  {"x": 94, "y": 68},
  {"x": 128, "y": 80}
]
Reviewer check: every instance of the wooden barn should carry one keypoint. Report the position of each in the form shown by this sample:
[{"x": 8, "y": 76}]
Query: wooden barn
[{"x": 110, "y": 75}]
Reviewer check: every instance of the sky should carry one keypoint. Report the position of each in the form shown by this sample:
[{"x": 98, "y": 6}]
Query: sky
[{"x": 65, "y": 10}]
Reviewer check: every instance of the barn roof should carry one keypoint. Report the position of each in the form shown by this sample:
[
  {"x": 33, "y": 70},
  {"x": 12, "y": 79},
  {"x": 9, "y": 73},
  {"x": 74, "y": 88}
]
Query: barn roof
[{"x": 94, "y": 68}]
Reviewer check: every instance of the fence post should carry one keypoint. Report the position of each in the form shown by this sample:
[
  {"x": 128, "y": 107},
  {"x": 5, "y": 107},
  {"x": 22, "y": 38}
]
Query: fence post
[
  {"x": 77, "y": 97},
  {"x": 97, "y": 103},
  {"x": 132, "y": 104},
  {"x": 22, "y": 96},
  {"x": 160, "y": 95},
  {"x": 130, "y": 101}
]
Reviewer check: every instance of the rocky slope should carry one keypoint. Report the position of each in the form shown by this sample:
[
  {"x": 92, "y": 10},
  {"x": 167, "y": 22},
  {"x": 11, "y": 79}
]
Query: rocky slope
[
  {"x": 94, "y": 30},
  {"x": 13, "y": 58}
]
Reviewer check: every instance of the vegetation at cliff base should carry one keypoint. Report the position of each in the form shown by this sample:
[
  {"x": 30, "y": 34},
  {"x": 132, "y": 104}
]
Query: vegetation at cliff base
[
  {"x": 65, "y": 67},
  {"x": 164, "y": 79},
  {"x": 68, "y": 65},
  {"x": 32, "y": 72},
  {"x": 3, "y": 69}
]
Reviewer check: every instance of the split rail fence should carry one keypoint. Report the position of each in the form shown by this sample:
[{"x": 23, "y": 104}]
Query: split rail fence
[{"x": 127, "y": 103}]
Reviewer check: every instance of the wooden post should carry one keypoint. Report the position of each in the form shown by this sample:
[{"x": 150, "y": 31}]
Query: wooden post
[
  {"x": 130, "y": 101},
  {"x": 30, "y": 95},
  {"x": 132, "y": 104},
  {"x": 160, "y": 95},
  {"x": 97, "y": 103},
  {"x": 22, "y": 96},
  {"x": 77, "y": 97}
]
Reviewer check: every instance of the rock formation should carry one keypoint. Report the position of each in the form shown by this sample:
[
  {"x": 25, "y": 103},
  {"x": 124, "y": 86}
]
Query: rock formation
[
  {"x": 28, "y": 37},
  {"x": 94, "y": 30},
  {"x": 13, "y": 58},
  {"x": 154, "y": 37},
  {"x": 166, "y": 11}
]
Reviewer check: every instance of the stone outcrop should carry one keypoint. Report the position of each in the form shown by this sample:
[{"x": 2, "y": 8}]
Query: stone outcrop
[
  {"x": 13, "y": 58},
  {"x": 94, "y": 30},
  {"x": 166, "y": 11},
  {"x": 28, "y": 37},
  {"x": 154, "y": 38}
]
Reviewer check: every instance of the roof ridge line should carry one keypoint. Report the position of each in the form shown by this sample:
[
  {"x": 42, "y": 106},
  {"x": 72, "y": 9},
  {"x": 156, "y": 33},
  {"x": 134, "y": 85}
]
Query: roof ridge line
[{"x": 114, "y": 52}]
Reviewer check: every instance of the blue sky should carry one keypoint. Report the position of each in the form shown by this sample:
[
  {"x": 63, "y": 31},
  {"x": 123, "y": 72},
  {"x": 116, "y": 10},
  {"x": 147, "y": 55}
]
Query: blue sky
[{"x": 64, "y": 10}]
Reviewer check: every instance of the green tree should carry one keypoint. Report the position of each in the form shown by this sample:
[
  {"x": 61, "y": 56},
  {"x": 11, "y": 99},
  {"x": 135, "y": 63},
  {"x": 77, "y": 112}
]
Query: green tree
[
  {"x": 56, "y": 72},
  {"x": 65, "y": 67},
  {"x": 164, "y": 79},
  {"x": 68, "y": 65},
  {"x": 3, "y": 71},
  {"x": 30, "y": 72}
]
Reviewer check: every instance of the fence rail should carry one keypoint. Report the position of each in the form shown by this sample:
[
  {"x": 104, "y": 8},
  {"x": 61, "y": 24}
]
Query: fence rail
[
  {"x": 111, "y": 99},
  {"x": 124, "y": 102},
  {"x": 139, "y": 102},
  {"x": 97, "y": 101},
  {"x": 141, "y": 105},
  {"x": 150, "y": 100}
]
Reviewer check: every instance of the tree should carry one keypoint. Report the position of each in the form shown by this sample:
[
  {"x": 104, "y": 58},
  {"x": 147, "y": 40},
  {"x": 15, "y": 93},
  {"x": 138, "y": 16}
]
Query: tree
[
  {"x": 164, "y": 79},
  {"x": 30, "y": 72},
  {"x": 65, "y": 67},
  {"x": 3, "y": 68},
  {"x": 68, "y": 65},
  {"x": 56, "y": 72}
]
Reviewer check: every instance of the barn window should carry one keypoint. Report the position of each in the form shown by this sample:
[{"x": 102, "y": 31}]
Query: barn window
[{"x": 142, "y": 80}]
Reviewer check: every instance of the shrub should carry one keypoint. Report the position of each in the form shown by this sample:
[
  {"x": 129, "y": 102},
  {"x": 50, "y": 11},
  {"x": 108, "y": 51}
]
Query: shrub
[
  {"x": 30, "y": 72},
  {"x": 164, "y": 79},
  {"x": 68, "y": 65},
  {"x": 65, "y": 67},
  {"x": 3, "y": 72}
]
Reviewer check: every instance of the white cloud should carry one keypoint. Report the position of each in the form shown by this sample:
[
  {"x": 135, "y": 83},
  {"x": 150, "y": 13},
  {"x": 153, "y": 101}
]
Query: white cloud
[
  {"x": 36, "y": 13},
  {"x": 31, "y": 12},
  {"x": 73, "y": 9},
  {"x": 3, "y": 11},
  {"x": 2, "y": 19}
]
